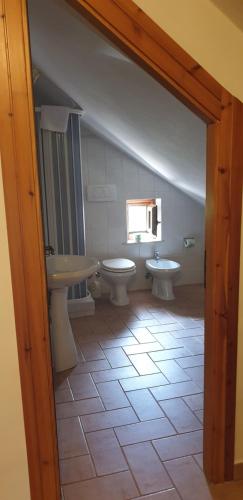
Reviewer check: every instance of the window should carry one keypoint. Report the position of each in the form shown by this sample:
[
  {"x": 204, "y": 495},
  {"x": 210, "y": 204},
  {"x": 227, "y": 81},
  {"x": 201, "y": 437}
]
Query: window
[{"x": 143, "y": 220}]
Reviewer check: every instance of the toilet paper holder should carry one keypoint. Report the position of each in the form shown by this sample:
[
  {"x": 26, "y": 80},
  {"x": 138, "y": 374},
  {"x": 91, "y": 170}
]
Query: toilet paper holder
[{"x": 189, "y": 242}]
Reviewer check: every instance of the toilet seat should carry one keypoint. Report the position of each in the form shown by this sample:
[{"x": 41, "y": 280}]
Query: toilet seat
[{"x": 118, "y": 265}]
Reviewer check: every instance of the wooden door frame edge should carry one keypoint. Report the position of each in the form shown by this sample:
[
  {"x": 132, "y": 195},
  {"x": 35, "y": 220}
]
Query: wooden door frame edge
[{"x": 134, "y": 32}]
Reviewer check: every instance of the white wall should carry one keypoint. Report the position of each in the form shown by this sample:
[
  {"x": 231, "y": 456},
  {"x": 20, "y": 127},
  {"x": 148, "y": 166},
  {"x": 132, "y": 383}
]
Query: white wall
[{"x": 106, "y": 221}]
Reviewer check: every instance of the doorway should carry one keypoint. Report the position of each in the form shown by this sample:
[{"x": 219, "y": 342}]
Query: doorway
[{"x": 221, "y": 181}]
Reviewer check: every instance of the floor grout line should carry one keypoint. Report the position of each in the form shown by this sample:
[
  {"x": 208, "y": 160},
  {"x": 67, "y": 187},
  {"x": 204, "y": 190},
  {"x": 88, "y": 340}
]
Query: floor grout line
[{"x": 138, "y": 303}]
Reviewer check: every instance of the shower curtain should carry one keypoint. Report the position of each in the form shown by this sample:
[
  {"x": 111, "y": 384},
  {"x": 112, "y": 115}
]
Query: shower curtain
[{"x": 60, "y": 170}]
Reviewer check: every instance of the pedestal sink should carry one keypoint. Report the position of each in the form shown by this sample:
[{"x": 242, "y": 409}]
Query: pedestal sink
[{"x": 64, "y": 271}]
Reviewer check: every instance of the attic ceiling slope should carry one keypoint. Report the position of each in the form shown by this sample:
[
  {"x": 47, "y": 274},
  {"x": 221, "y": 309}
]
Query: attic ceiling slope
[{"x": 121, "y": 101}]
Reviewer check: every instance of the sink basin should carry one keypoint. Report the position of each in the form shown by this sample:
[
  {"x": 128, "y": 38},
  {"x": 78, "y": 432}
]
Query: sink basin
[
  {"x": 162, "y": 266},
  {"x": 67, "y": 270},
  {"x": 64, "y": 271}
]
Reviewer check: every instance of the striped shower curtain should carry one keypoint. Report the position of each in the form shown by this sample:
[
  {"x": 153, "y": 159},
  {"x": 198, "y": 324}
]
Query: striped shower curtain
[{"x": 60, "y": 170}]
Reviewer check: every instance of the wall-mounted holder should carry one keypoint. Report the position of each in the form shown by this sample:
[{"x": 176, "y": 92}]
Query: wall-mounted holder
[{"x": 189, "y": 242}]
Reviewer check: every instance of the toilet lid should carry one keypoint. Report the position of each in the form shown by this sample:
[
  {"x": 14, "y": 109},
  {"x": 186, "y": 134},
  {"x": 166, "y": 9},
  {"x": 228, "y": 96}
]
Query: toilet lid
[{"x": 118, "y": 265}]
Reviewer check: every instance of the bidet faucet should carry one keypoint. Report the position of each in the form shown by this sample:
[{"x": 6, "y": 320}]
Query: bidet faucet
[{"x": 156, "y": 254}]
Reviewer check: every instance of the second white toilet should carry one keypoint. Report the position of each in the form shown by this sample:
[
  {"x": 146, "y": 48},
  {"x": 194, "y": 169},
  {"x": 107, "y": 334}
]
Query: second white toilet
[{"x": 118, "y": 273}]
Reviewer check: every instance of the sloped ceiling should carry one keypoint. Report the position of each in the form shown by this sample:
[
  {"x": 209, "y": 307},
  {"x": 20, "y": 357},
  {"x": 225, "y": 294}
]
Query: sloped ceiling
[{"x": 121, "y": 101}]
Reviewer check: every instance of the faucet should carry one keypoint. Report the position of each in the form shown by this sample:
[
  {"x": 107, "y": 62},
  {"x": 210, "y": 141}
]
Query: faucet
[
  {"x": 156, "y": 254},
  {"x": 49, "y": 250}
]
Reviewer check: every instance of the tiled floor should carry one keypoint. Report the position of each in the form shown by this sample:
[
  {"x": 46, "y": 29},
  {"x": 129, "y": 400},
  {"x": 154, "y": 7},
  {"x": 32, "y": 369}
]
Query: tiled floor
[{"x": 130, "y": 414}]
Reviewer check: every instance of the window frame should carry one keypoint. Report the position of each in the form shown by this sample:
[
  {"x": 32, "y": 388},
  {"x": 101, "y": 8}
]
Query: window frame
[{"x": 149, "y": 203}]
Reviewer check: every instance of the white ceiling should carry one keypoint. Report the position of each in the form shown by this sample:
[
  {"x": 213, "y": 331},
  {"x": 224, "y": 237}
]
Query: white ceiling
[{"x": 121, "y": 101}]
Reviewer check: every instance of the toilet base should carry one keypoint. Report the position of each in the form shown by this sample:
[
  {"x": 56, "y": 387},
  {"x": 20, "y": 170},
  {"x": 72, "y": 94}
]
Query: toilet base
[
  {"x": 163, "y": 289},
  {"x": 119, "y": 296}
]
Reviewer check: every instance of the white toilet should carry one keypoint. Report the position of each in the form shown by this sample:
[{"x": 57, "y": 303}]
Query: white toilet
[
  {"x": 163, "y": 271},
  {"x": 117, "y": 273}
]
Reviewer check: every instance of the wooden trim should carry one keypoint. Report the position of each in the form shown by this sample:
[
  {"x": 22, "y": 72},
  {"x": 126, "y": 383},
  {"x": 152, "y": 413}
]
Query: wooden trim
[
  {"x": 172, "y": 48},
  {"x": 150, "y": 202},
  {"x": 238, "y": 471},
  {"x": 18, "y": 154},
  {"x": 138, "y": 36},
  {"x": 223, "y": 219}
]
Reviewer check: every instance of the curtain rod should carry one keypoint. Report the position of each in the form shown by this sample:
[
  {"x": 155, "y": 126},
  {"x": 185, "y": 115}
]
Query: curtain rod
[{"x": 79, "y": 112}]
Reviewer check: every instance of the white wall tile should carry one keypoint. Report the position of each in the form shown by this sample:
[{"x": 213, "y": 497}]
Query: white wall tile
[{"x": 106, "y": 221}]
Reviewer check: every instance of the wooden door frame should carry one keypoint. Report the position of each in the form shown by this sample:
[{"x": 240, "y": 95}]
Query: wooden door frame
[{"x": 136, "y": 34}]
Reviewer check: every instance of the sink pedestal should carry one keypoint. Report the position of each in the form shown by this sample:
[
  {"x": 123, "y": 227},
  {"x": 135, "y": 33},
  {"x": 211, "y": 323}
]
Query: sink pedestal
[
  {"x": 162, "y": 288},
  {"x": 64, "y": 350}
]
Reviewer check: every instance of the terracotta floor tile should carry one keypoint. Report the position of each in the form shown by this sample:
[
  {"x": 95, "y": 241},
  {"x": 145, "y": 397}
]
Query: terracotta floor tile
[
  {"x": 142, "y": 313},
  {"x": 197, "y": 375},
  {"x": 76, "y": 469},
  {"x": 111, "y": 418},
  {"x": 92, "y": 351},
  {"x": 144, "y": 431},
  {"x": 112, "y": 395},
  {"x": 179, "y": 446},
  {"x": 119, "y": 342},
  {"x": 188, "y": 332},
  {"x": 91, "y": 366},
  {"x": 106, "y": 452},
  {"x": 163, "y": 318},
  {"x": 77, "y": 408},
  {"x": 167, "y": 340},
  {"x": 117, "y": 357},
  {"x": 143, "y": 335},
  {"x": 142, "y": 348},
  {"x": 146, "y": 468},
  {"x": 169, "y": 354},
  {"x": 118, "y": 328},
  {"x": 200, "y": 415},
  {"x": 161, "y": 495},
  {"x": 123, "y": 332},
  {"x": 144, "y": 404},
  {"x": 142, "y": 323},
  {"x": 185, "y": 321},
  {"x": 182, "y": 418},
  {"x": 143, "y": 382},
  {"x": 114, "y": 374},
  {"x": 82, "y": 386},
  {"x": 172, "y": 371},
  {"x": 165, "y": 328},
  {"x": 188, "y": 479},
  {"x": 194, "y": 346},
  {"x": 175, "y": 390},
  {"x": 61, "y": 381},
  {"x": 189, "y": 362},
  {"x": 199, "y": 459},
  {"x": 71, "y": 441},
  {"x": 63, "y": 396},
  {"x": 195, "y": 401},
  {"x": 120, "y": 486},
  {"x": 143, "y": 364},
  {"x": 152, "y": 334}
]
